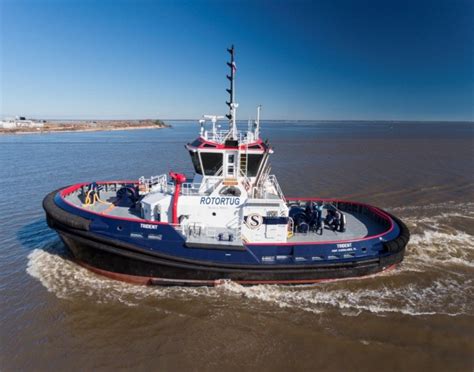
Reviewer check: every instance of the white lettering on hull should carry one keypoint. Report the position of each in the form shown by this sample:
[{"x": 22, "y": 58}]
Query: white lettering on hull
[{"x": 148, "y": 226}]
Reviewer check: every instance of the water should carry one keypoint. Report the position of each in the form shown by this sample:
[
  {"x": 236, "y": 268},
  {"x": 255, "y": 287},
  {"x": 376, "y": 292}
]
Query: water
[{"x": 57, "y": 315}]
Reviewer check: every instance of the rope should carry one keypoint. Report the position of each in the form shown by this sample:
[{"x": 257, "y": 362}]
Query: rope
[{"x": 95, "y": 198}]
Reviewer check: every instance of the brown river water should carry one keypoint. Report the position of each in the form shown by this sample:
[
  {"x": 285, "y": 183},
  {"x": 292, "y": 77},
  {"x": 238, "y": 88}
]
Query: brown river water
[{"x": 55, "y": 315}]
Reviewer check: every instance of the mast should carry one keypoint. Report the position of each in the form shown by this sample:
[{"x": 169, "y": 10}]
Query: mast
[
  {"x": 231, "y": 103},
  {"x": 257, "y": 122}
]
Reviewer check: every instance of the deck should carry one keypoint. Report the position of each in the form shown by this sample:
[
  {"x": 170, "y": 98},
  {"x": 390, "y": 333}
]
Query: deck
[
  {"x": 358, "y": 225},
  {"x": 108, "y": 205}
]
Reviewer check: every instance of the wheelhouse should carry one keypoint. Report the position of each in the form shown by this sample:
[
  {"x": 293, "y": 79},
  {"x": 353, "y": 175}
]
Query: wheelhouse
[{"x": 227, "y": 159}]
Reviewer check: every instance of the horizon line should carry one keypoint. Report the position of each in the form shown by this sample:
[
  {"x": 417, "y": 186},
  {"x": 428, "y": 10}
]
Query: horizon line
[{"x": 4, "y": 117}]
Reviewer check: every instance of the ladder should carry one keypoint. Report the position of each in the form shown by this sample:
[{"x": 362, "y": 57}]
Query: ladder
[{"x": 244, "y": 157}]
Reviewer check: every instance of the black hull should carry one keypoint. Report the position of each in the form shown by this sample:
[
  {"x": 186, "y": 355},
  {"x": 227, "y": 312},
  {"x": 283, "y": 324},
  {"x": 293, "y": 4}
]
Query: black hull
[
  {"x": 116, "y": 262},
  {"x": 124, "y": 261}
]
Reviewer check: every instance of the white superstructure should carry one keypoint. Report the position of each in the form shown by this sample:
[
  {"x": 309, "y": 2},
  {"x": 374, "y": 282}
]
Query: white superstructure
[
  {"x": 232, "y": 197},
  {"x": 20, "y": 122}
]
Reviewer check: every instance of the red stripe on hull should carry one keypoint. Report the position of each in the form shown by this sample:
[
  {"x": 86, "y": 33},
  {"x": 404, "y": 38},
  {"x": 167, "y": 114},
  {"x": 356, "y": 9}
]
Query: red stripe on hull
[{"x": 145, "y": 280}]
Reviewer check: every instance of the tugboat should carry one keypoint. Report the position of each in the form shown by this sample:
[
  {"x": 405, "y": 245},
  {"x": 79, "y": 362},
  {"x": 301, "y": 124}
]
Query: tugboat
[{"x": 229, "y": 221}]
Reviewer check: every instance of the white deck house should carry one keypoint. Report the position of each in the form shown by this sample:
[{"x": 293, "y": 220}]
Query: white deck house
[
  {"x": 232, "y": 192},
  {"x": 20, "y": 122}
]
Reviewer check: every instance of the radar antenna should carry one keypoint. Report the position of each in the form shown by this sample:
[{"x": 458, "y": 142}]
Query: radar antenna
[{"x": 213, "y": 119}]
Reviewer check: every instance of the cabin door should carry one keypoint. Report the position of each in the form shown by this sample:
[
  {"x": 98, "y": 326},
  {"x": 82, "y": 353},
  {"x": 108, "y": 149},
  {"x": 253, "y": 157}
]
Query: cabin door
[{"x": 230, "y": 168}]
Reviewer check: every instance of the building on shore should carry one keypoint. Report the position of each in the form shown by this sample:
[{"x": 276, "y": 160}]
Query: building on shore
[{"x": 20, "y": 122}]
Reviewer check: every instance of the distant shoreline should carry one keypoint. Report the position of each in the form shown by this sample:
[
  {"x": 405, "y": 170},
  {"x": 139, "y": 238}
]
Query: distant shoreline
[
  {"x": 86, "y": 126},
  {"x": 382, "y": 121}
]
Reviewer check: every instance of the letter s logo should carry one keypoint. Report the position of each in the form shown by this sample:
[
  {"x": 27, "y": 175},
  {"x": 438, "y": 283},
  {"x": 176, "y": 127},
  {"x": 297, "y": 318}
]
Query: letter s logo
[{"x": 253, "y": 221}]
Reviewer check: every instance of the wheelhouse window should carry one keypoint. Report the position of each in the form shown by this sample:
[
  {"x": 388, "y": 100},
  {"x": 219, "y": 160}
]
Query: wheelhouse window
[
  {"x": 195, "y": 160},
  {"x": 196, "y": 143},
  {"x": 253, "y": 164},
  {"x": 211, "y": 162}
]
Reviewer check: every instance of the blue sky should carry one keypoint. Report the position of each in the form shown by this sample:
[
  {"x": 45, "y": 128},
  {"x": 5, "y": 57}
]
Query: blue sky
[{"x": 360, "y": 59}]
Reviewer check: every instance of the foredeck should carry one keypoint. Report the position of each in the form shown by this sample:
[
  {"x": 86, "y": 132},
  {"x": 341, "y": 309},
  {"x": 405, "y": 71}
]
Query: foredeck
[{"x": 358, "y": 226}]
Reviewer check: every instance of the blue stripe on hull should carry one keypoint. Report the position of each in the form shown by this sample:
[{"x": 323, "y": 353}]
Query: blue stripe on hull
[{"x": 166, "y": 240}]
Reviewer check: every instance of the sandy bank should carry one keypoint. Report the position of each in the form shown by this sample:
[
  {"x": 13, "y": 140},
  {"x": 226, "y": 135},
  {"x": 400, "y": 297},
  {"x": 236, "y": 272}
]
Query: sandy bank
[{"x": 87, "y": 126}]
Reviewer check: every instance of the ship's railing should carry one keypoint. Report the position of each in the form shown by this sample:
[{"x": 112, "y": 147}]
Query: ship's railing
[
  {"x": 163, "y": 184},
  {"x": 272, "y": 178},
  {"x": 268, "y": 188},
  {"x": 197, "y": 231},
  {"x": 203, "y": 188},
  {"x": 189, "y": 188},
  {"x": 210, "y": 183},
  {"x": 154, "y": 183},
  {"x": 218, "y": 136},
  {"x": 221, "y": 136},
  {"x": 245, "y": 180}
]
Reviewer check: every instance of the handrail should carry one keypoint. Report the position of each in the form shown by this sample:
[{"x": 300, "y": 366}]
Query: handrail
[
  {"x": 272, "y": 178},
  {"x": 154, "y": 182},
  {"x": 245, "y": 180},
  {"x": 220, "y": 136},
  {"x": 261, "y": 179}
]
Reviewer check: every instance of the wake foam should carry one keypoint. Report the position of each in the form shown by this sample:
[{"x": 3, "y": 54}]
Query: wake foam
[
  {"x": 440, "y": 237},
  {"x": 440, "y": 248},
  {"x": 436, "y": 278},
  {"x": 442, "y": 297},
  {"x": 67, "y": 280},
  {"x": 449, "y": 205}
]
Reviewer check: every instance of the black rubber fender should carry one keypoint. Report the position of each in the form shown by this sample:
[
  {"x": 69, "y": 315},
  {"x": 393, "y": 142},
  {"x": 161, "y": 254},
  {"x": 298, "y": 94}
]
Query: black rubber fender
[
  {"x": 55, "y": 213},
  {"x": 399, "y": 243},
  {"x": 391, "y": 246}
]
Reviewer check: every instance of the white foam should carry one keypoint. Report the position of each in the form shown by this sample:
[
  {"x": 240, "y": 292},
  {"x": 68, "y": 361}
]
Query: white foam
[
  {"x": 68, "y": 280},
  {"x": 469, "y": 206},
  {"x": 438, "y": 269},
  {"x": 437, "y": 240},
  {"x": 437, "y": 247},
  {"x": 445, "y": 296},
  {"x": 437, "y": 220}
]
